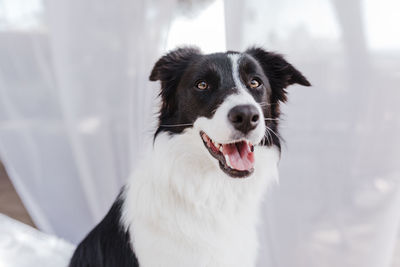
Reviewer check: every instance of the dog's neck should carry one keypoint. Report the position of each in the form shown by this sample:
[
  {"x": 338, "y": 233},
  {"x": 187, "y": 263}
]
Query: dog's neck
[
  {"x": 183, "y": 172},
  {"x": 181, "y": 200}
]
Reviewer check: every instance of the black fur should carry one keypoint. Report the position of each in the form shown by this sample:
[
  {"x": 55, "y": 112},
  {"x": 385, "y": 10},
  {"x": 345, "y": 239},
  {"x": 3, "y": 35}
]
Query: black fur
[
  {"x": 280, "y": 75},
  {"x": 107, "y": 245},
  {"x": 181, "y": 69}
]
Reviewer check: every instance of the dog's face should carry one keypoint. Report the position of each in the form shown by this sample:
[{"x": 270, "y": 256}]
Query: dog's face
[{"x": 231, "y": 99}]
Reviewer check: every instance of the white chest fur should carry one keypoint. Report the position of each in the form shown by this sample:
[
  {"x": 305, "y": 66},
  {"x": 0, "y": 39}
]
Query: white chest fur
[{"x": 182, "y": 210}]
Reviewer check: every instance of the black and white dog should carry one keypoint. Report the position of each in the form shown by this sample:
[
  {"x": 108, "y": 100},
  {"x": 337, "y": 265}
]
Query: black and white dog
[{"x": 194, "y": 201}]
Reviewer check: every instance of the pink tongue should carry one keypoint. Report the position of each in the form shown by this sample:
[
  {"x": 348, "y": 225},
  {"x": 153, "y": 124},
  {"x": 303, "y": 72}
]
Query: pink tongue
[{"x": 239, "y": 155}]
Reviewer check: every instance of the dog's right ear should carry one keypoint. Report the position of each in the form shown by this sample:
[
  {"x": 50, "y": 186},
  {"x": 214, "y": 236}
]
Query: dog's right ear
[
  {"x": 170, "y": 66},
  {"x": 169, "y": 70}
]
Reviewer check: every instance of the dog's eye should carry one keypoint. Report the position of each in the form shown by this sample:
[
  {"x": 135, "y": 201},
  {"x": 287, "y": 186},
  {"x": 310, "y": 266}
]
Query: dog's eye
[
  {"x": 254, "y": 83},
  {"x": 202, "y": 85}
]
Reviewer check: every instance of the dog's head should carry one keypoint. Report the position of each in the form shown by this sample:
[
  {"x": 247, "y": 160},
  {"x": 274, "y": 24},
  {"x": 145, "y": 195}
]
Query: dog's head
[{"x": 232, "y": 99}]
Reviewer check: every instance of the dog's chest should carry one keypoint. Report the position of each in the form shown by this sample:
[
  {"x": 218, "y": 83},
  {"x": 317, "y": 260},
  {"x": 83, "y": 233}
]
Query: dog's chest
[
  {"x": 186, "y": 213},
  {"x": 184, "y": 241},
  {"x": 182, "y": 226}
]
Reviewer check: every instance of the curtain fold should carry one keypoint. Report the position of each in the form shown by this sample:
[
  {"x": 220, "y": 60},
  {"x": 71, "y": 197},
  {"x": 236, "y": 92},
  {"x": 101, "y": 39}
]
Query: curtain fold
[
  {"x": 76, "y": 113},
  {"x": 338, "y": 200},
  {"x": 77, "y": 107}
]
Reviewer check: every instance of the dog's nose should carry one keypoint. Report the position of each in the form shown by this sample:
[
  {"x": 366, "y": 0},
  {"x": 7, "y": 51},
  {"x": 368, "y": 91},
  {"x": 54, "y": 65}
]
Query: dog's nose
[{"x": 244, "y": 118}]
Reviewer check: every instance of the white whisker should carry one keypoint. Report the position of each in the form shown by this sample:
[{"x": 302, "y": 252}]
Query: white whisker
[
  {"x": 176, "y": 125},
  {"x": 269, "y": 136},
  {"x": 269, "y": 129},
  {"x": 263, "y": 104}
]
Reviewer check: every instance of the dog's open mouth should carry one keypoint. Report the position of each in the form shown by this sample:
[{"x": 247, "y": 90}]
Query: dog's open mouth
[{"x": 236, "y": 159}]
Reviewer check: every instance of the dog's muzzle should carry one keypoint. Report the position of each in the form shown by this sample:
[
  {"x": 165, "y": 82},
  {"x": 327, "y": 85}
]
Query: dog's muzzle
[{"x": 244, "y": 118}]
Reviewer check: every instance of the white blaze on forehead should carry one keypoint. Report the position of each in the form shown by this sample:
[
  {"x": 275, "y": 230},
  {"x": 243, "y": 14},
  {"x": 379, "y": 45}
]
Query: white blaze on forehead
[
  {"x": 235, "y": 70},
  {"x": 219, "y": 128},
  {"x": 243, "y": 95}
]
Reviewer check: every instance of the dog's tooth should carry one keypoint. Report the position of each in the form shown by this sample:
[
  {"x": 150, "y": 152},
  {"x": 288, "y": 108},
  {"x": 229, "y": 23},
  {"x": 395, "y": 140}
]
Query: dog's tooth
[
  {"x": 216, "y": 144},
  {"x": 227, "y": 161},
  {"x": 220, "y": 148},
  {"x": 250, "y": 146}
]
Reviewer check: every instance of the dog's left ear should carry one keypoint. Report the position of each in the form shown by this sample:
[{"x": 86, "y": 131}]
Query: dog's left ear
[{"x": 280, "y": 73}]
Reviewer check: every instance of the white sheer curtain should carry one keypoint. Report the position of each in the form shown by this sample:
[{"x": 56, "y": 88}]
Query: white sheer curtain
[
  {"x": 76, "y": 106},
  {"x": 338, "y": 201},
  {"x": 75, "y": 102}
]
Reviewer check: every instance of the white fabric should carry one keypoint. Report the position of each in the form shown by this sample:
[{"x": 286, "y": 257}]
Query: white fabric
[
  {"x": 338, "y": 201},
  {"x": 24, "y": 246},
  {"x": 75, "y": 107},
  {"x": 76, "y": 104}
]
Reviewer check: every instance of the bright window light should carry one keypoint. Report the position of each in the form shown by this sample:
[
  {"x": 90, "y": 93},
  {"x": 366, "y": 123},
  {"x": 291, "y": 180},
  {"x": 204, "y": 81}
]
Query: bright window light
[
  {"x": 205, "y": 30},
  {"x": 20, "y": 14},
  {"x": 382, "y": 24}
]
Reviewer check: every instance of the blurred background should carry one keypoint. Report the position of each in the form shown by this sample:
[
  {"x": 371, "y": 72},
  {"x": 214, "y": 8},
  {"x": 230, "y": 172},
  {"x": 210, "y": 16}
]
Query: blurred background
[{"x": 77, "y": 112}]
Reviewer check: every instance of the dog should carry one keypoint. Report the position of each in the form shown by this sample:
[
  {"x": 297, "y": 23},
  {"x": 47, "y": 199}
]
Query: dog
[{"x": 195, "y": 199}]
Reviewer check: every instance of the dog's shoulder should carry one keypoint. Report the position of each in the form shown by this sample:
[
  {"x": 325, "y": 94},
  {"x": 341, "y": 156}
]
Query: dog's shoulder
[{"x": 108, "y": 244}]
